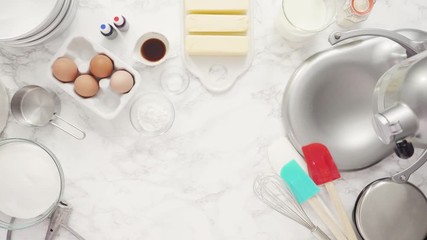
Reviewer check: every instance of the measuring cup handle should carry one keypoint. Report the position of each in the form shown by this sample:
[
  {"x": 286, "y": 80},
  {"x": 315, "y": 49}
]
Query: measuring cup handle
[
  {"x": 403, "y": 176},
  {"x": 83, "y": 134}
]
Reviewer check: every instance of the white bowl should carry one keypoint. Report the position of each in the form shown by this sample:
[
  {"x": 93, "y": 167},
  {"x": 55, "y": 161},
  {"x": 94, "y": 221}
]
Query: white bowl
[{"x": 137, "y": 50}]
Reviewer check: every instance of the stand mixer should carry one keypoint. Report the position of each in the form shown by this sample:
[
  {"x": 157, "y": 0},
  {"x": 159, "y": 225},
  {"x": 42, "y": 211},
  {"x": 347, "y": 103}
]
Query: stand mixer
[
  {"x": 400, "y": 106},
  {"x": 400, "y": 112},
  {"x": 393, "y": 208}
]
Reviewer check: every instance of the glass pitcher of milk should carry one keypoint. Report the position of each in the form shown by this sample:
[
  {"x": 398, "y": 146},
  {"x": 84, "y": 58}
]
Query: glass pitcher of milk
[{"x": 298, "y": 20}]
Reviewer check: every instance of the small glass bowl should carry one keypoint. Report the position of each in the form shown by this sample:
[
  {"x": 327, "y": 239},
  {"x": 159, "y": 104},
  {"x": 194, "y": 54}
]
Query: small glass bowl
[
  {"x": 174, "y": 80},
  {"x": 12, "y": 223},
  {"x": 152, "y": 114}
]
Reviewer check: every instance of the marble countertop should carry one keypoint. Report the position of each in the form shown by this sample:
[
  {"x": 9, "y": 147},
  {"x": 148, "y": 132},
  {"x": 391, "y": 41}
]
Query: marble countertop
[{"x": 195, "y": 182}]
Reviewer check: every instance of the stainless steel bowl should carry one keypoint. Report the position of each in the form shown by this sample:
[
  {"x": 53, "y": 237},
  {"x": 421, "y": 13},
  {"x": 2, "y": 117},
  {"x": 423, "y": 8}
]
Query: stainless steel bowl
[{"x": 329, "y": 100}]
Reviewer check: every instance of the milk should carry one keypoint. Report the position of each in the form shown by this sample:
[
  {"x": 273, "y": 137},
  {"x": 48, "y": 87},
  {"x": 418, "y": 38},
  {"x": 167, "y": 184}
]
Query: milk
[
  {"x": 299, "y": 19},
  {"x": 29, "y": 180}
]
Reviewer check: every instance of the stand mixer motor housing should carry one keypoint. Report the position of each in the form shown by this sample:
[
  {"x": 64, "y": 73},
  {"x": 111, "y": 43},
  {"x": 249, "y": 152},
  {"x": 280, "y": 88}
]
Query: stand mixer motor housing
[{"x": 400, "y": 99}]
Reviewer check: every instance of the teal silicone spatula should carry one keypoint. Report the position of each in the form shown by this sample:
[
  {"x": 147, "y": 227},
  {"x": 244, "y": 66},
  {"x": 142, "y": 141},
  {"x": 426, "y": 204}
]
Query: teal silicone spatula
[
  {"x": 323, "y": 171},
  {"x": 305, "y": 190}
]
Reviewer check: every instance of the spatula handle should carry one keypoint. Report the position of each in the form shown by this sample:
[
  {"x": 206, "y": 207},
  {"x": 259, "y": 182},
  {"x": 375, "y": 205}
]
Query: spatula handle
[
  {"x": 339, "y": 207},
  {"x": 316, "y": 203}
]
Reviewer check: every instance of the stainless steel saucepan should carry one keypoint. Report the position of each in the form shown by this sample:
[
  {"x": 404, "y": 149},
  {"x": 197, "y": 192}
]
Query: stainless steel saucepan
[{"x": 35, "y": 106}]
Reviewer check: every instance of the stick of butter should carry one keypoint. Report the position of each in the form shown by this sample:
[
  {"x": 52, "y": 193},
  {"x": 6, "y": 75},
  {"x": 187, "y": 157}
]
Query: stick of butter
[
  {"x": 216, "y": 45},
  {"x": 217, "y": 6},
  {"x": 216, "y": 23}
]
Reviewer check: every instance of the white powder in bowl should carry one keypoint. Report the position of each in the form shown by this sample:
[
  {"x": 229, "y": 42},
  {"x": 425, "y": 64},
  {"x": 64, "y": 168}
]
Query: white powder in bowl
[
  {"x": 152, "y": 114},
  {"x": 154, "y": 117},
  {"x": 29, "y": 180}
]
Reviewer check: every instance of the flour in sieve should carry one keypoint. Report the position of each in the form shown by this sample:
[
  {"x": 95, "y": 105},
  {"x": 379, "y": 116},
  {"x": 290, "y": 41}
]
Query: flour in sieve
[{"x": 29, "y": 180}]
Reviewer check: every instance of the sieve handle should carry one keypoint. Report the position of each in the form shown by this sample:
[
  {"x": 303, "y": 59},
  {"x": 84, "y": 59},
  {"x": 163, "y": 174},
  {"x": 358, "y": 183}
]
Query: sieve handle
[
  {"x": 82, "y": 135},
  {"x": 59, "y": 219},
  {"x": 403, "y": 176},
  {"x": 319, "y": 234},
  {"x": 73, "y": 232}
]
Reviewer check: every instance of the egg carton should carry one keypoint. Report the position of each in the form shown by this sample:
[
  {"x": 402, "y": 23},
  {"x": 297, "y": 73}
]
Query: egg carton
[{"x": 106, "y": 103}]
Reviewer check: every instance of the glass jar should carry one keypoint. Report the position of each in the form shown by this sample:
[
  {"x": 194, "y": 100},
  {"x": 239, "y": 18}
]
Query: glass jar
[{"x": 354, "y": 11}]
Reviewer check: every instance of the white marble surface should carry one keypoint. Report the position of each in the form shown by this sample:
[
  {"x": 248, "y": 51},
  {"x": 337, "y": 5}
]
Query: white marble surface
[{"x": 195, "y": 182}]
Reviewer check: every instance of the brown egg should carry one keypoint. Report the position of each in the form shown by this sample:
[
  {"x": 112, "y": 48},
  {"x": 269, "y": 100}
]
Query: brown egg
[
  {"x": 64, "y": 69},
  {"x": 121, "y": 81},
  {"x": 101, "y": 66},
  {"x": 86, "y": 86}
]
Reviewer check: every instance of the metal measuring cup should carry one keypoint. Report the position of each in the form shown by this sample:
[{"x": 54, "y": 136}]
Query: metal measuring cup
[{"x": 34, "y": 106}]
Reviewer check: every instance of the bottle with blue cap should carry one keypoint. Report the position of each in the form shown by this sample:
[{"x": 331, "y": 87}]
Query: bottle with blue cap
[{"x": 108, "y": 31}]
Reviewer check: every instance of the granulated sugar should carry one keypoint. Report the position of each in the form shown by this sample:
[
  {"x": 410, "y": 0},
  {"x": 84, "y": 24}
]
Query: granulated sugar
[{"x": 29, "y": 180}]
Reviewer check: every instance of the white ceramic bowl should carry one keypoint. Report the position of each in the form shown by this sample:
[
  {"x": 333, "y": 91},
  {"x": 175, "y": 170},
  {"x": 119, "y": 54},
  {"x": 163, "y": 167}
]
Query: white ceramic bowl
[{"x": 137, "y": 50}]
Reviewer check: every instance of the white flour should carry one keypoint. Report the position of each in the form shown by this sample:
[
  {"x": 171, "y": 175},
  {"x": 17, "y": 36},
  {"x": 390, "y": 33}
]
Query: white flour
[
  {"x": 154, "y": 116},
  {"x": 29, "y": 180}
]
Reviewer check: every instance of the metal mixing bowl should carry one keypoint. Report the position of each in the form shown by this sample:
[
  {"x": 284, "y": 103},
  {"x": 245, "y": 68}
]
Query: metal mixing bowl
[{"x": 329, "y": 100}]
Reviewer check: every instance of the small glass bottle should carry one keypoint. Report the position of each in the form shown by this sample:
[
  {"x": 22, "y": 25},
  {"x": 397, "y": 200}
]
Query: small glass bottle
[
  {"x": 121, "y": 23},
  {"x": 108, "y": 31},
  {"x": 354, "y": 11}
]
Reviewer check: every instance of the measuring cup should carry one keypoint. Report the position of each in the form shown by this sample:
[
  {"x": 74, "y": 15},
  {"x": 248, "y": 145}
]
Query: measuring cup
[
  {"x": 35, "y": 106},
  {"x": 392, "y": 208}
]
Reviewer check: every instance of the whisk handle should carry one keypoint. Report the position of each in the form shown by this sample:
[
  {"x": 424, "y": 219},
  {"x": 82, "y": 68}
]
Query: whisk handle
[{"x": 319, "y": 234}]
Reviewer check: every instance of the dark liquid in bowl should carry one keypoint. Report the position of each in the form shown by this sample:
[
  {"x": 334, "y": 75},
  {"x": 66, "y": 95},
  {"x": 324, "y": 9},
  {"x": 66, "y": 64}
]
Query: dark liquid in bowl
[{"x": 153, "y": 50}]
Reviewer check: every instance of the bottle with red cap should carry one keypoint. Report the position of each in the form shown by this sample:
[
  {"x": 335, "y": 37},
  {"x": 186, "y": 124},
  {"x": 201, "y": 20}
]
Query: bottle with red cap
[{"x": 120, "y": 23}]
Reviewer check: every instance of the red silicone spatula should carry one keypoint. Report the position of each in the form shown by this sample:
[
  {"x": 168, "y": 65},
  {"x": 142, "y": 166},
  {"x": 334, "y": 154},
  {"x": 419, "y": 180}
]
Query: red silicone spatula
[{"x": 323, "y": 171}]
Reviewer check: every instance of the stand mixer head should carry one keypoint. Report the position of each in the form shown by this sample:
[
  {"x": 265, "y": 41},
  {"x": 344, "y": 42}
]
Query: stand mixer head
[
  {"x": 400, "y": 112},
  {"x": 400, "y": 105}
]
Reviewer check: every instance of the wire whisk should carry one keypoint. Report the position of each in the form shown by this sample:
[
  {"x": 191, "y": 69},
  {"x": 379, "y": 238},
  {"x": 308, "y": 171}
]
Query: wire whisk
[{"x": 271, "y": 189}]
